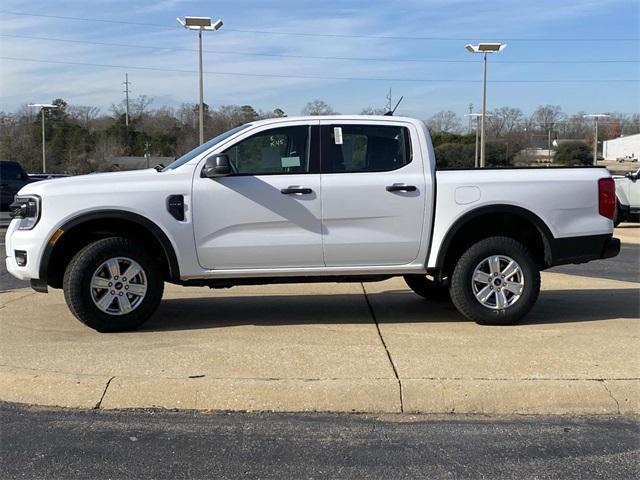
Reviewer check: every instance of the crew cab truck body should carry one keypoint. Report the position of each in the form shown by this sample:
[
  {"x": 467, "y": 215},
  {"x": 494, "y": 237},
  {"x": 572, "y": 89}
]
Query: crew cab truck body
[
  {"x": 627, "y": 197},
  {"x": 335, "y": 198}
]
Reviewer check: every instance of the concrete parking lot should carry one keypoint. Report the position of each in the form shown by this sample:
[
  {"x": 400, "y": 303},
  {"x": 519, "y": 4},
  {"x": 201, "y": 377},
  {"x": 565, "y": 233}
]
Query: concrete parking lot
[{"x": 373, "y": 347}]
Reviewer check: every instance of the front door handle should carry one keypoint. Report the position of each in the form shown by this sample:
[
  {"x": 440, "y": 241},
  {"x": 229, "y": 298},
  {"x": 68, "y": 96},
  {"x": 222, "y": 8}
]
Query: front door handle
[
  {"x": 296, "y": 191},
  {"x": 401, "y": 187}
]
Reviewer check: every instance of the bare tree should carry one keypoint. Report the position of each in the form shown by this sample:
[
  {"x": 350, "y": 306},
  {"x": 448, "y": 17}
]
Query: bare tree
[
  {"x": 373, "y": 111},
  {"x": 444, "y": 121},
  {"x": 83, "y": 114},
  {"x": 317, "y": 107},
  {"x": 137, "y": 107},
  {"x": 504, "y": 121},
  {"x": 547, "y": 116}
]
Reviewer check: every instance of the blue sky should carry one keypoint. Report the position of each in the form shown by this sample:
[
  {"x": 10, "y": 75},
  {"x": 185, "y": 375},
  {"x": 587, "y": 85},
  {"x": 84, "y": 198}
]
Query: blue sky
[{"x": 535, "y": 31}]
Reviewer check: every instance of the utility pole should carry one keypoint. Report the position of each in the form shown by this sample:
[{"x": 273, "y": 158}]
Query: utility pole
[
  {"x": 126, "y": 84},
  {"x": 470, "y": 112},
  {"x": 549, "y": 146},
  {"x": 389, "y": 105},
  {"x": 595, "y": 117},
  {"x": 477, "y": 117}
]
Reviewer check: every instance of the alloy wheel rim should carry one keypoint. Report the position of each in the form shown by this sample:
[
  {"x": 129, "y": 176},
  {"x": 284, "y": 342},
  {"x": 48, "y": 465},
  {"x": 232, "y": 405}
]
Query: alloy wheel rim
[
  {"x": 497, "y": 282},
  {"x": 118, "y": 286}
]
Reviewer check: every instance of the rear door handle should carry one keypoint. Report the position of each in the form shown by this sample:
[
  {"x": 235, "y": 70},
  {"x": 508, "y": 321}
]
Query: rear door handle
[
  {"x": 296, "y": 191},
  {"x": 401, "y": 187}
]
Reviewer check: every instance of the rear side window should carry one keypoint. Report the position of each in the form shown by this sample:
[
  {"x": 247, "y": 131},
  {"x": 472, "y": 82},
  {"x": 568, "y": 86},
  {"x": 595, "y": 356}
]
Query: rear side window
[{"x": 364, "y": 148}]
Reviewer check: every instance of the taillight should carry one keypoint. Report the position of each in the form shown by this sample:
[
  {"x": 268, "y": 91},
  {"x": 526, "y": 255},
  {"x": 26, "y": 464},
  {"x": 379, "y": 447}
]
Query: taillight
[{"x": 607, "y": 197}]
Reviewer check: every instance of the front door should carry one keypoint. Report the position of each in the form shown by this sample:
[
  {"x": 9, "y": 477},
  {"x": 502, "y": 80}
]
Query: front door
[
  {"x": 373, "y": 194},
  {"x": 267, "y": 213}
]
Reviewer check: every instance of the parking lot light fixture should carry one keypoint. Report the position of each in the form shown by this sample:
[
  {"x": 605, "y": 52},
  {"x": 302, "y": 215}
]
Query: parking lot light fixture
[
  {"x": 484, "y": 49},
  {"x": 200, "y": 24},
  {"x": 42, "y": 106},
  {"x": 595, "y": 117}
]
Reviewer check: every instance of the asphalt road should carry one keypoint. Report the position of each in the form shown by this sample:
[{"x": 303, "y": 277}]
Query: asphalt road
[{"x": 70, "y": 444}]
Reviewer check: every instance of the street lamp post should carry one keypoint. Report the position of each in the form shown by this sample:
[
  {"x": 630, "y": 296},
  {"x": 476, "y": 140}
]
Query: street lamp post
[
  {"x": 200, "y": 24},
  {"x": 484, "y": 48},
  {"x": 595, "y": 117},
  {"x": 44, "y": 148}
]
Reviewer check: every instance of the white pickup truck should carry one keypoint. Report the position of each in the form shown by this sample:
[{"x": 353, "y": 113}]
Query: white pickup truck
[{"x": 311, "y": 199}]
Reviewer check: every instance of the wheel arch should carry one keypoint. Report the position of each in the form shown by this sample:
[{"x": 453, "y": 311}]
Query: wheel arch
[
  {"x": 504, "y": 219},
  {"x": 84, "y": 228}
]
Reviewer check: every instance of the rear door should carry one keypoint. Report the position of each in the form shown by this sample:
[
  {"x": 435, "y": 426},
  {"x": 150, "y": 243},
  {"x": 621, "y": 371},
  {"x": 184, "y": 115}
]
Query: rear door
[
  {"x": 267, "y": 213},
  {"x": 373, "y": 193}
]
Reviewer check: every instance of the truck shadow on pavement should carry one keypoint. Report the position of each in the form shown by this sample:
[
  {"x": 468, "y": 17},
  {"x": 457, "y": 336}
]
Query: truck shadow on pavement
[{"x": 395, "y": 306}]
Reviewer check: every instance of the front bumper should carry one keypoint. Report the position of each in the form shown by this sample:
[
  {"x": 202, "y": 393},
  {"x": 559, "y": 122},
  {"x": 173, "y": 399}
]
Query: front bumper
[{"x": 29, "y": 241}]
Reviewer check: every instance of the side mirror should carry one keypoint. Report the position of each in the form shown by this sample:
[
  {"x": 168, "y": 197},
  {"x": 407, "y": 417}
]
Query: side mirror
[{"x": 217, "y": 165}]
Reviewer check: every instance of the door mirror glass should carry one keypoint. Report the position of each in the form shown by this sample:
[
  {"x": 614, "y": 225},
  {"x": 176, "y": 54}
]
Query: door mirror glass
[{"x": 217, "y": 165}]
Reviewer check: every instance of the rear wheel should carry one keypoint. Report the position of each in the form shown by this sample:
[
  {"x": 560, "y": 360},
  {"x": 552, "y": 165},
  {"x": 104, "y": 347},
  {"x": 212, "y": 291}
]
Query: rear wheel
[
  {"x": 427, "y": 288},
  {"x": 113, "y": 285},
  {"x": 495, "y": 282}
]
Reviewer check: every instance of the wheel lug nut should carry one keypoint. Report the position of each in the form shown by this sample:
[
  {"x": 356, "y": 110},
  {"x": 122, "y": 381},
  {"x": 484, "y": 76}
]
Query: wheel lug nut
[
  {"x": 126, "y": 287},
  {"x": 116, "y": 277},
  {"x": 120, "y": 294},
  {"x": 110, "y": 283},
  {"x": 113, "y": 292},
  {"x": 124, "y": 279}
]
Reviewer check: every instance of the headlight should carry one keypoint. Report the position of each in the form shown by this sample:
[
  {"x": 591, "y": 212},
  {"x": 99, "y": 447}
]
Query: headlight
[{"x": 26, "y": 208}]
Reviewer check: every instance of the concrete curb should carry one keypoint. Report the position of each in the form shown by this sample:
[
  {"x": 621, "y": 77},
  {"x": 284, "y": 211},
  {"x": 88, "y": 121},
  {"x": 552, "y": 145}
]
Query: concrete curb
[
  {"x": 430, "y": 396},
  {"x": 506, "y": 397}
]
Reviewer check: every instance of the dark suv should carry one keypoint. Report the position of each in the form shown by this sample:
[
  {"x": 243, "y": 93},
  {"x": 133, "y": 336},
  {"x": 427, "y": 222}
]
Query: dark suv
[{"x": 12, "y": 178}]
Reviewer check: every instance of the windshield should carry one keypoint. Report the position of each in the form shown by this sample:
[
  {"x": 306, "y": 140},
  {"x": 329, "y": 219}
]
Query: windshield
[{"x": 202, "y": 148}]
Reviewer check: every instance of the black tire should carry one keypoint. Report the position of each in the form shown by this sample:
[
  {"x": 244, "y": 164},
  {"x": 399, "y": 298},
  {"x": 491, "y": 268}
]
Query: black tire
[
  {"x": 461, "y": 282},
  {"x": 420, "y": 284},
  {"x": 78, "y": 292}
]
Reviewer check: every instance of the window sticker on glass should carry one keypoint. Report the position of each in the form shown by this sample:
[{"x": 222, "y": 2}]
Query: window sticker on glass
[
  {"x": 290, "y": 162},
  {"x": 337, "y": 135}
]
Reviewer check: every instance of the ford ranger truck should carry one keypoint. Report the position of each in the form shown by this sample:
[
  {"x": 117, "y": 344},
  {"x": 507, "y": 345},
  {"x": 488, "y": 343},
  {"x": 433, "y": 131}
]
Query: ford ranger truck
[{"x": 309, "y": 199}]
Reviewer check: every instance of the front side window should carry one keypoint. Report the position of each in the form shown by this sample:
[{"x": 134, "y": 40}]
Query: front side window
[
  {"x": 364, "y": 148},
  {"x": 276, "y": 151}
]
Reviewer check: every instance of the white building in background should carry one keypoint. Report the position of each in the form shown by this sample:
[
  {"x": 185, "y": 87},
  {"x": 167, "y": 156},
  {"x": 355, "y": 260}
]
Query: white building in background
[{"x": 622, "y": 147}]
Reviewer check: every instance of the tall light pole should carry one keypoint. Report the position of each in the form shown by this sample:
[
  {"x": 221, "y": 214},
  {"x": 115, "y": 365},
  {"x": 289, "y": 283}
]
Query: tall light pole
[
  {"x": 484, "y": 49},
  {"x": 200, "y": 24},
  {"x": 476, "y": 116},
  {"x": 42, "y": 106},
  {"x": 595, "y": 117}
]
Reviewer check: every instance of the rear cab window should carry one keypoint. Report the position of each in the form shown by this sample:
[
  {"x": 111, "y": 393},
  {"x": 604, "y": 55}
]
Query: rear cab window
[{"x": 352, "y": 148}]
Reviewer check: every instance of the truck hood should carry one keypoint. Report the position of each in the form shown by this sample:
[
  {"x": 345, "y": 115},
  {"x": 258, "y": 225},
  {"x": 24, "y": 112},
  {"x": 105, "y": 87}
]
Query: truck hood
[{"x": 111, "y": 182}]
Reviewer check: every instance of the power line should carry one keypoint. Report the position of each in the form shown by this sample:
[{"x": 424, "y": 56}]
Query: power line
[
  {"x": 315, "y": 77},
  {"x": 313, "y": 57},
  {"x": 337, "y": 35}
]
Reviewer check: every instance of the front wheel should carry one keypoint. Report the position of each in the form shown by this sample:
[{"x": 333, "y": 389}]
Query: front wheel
[
  {"x": 495, "y": 282},
  {"x": 113, "y": 285}
]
